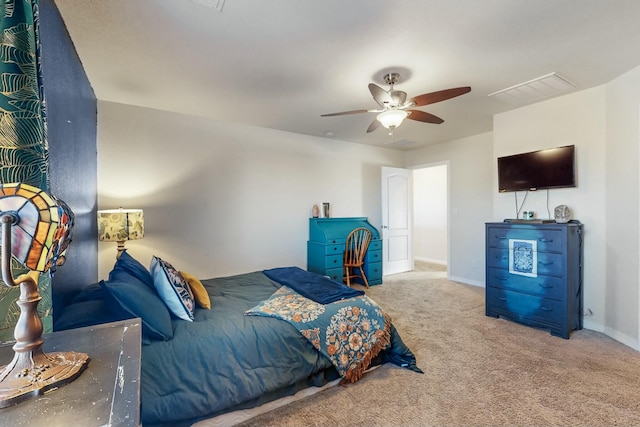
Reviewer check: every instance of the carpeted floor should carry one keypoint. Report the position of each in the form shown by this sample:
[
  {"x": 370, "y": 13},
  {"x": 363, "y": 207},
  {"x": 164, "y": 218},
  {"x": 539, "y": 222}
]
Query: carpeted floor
[{"x": 479, "y": 371}]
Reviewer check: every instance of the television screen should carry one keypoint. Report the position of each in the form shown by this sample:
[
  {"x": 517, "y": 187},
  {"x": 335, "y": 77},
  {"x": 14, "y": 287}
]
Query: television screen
[{"x": 537, "y": 170}]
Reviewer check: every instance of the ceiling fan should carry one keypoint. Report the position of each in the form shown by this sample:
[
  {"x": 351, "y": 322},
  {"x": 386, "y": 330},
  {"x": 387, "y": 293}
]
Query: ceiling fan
[{"x": 394, "y": 106}]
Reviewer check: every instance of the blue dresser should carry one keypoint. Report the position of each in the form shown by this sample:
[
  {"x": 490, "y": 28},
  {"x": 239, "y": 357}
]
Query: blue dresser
[
  {"x": 325, "y": 247},
  {"x": 534, "y": 274}
]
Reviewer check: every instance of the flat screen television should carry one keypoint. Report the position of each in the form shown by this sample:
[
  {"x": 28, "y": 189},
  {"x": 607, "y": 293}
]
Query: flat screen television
[{"x": 537, "y": 170}]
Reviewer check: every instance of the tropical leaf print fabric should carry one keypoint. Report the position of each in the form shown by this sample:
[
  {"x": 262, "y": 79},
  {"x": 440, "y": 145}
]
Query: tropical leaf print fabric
[
  {"x": 23, "y": 144},
  {"x": 24, "y": 155}
]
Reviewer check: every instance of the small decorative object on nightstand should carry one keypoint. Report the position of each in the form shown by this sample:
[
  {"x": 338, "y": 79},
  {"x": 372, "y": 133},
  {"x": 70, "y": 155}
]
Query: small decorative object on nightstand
[
  {"x": 562, "y": 214},
  {"x": 326, "y": 210},
  {"x": 528, "y": 215}
]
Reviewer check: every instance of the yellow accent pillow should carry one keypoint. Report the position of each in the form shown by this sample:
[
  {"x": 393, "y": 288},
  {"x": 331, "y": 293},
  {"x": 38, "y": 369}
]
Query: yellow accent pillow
[{"x": 199, "y": 292}]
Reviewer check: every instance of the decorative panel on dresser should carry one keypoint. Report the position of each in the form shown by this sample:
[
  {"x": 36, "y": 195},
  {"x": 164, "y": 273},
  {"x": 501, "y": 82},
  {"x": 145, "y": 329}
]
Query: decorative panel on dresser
[
  {"x": 325, "y": 247},
  {"x": 534, "y": 274}
]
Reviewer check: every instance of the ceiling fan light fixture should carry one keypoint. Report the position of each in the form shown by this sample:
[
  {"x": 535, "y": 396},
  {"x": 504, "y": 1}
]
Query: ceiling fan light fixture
[{"x": 391, "y": 119}]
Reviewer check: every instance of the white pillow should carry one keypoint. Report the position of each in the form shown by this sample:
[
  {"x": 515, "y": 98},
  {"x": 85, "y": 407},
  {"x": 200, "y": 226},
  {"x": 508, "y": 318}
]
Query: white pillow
[{"x": 173, "y": 289}]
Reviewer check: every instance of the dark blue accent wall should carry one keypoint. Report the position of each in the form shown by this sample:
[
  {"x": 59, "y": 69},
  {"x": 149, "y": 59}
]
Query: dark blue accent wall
[{"x": 72, "y": 126}]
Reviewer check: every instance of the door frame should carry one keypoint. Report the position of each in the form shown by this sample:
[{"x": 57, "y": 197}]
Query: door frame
[{"x": 446, "y": 163}]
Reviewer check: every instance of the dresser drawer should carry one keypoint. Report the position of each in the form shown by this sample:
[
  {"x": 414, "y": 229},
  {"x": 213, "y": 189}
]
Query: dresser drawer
[
  {"x": 375, "y": 245},
  {"x": 334, "y": 273},
  {"x": 374, "y": 272},
  {"x": 522, "y": 307},
  {"x": 373, "y": 256},
  {"x": 333, "y": 261},
  {"x": 334, "y": 249},
  {"x": 545, "y": 286},
  {"x": 547, "y": 240},
  {"x": 552, "y": 264}
]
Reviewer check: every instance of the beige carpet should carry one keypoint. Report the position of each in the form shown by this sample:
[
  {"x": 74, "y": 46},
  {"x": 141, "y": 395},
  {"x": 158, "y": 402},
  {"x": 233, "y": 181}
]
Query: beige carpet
[{"x": 479, "y": 371}]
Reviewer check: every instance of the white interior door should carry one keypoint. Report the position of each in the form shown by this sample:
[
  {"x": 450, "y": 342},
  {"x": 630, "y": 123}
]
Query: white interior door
[{"x": 397, "y": 254}]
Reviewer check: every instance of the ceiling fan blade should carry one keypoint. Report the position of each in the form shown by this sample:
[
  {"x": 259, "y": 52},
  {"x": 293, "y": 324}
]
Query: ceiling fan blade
[
  {"x": 380, "y": 95},
  {"x": 373, "y": 126},
  {"x": 423, "y": 116},
  {"x": 345, "y": 113},
  {"x": 441, "y": 95}
]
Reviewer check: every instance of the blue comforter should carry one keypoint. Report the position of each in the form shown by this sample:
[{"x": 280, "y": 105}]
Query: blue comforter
[{"x": 225, "y": 361}]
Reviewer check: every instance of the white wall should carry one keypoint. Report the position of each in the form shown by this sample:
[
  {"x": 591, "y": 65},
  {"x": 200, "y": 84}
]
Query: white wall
[
  {"x": 430, "y": 214},
  {"x": 222, "y": 199},
  {"x": 620, "y": 297},
  {"x": 470, "y": 163},
  {"x": 576, "y": 119}
]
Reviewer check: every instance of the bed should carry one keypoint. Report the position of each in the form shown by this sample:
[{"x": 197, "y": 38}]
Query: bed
[{"x": 241, "y": 353}]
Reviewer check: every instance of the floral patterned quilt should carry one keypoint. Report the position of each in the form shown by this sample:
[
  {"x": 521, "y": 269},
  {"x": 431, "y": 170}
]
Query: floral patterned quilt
[{"x": 349, "y": 332}]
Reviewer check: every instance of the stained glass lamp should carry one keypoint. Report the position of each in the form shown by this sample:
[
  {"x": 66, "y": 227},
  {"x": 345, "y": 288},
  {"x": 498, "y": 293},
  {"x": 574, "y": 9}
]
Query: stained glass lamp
[
  {"x": 36, "y": 231},
  {"x": 118, "y": 225}
]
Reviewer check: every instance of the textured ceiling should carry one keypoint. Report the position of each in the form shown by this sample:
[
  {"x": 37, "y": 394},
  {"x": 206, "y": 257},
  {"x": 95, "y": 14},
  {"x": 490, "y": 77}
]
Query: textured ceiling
[{"x": 282, "y": 63}]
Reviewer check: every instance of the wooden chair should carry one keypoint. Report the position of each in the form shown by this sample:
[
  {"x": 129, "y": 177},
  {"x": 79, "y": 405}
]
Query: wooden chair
[{"x": 355, "y": 250}]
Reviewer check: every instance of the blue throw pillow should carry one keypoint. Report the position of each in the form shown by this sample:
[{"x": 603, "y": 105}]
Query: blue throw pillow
[
  {"x": 173, "y": 289},
  {"x": 88, "y": 313},
  {"x": 140, "y": 301},
  {"x": 129, "y": 264}
]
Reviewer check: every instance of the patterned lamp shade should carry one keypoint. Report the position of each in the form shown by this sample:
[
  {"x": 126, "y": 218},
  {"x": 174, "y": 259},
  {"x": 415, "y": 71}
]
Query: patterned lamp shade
[
  {"x": 42, "y": 229},
  {"x": 118, "y": 225}
]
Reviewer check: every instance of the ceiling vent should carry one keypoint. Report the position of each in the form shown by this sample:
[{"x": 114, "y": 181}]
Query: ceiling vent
[
  {"x": 547, "y": 86},
  {"x": 212, "y": 4}
]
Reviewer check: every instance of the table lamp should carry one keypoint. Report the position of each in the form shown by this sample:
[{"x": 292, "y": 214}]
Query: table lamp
[
  {"x": 36, "y": 231},
  {"x": 118, "y": 225}
]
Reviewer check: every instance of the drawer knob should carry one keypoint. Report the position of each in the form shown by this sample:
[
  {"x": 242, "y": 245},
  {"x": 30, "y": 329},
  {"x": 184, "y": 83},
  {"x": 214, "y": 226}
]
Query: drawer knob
[
  {"x": 546, "y": 309},
  {"x": 502, "y": 298},
  {"x": 546, "y": 240},
  {"x": 546, "y": 263}
]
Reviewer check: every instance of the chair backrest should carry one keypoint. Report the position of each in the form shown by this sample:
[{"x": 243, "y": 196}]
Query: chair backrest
[{"x": 356, "y": 245}]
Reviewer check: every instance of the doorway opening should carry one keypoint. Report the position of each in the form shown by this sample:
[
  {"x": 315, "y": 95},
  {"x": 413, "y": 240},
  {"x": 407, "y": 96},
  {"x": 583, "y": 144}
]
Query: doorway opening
[{"x": 430, "y": 233}]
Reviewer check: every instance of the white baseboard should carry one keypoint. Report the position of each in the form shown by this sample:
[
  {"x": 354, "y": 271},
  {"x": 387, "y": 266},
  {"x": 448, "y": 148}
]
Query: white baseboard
[
  {"x": 467, "y": 281},
  {"x": 614, "y": 334},
  {"x": 430, "y": 260}
]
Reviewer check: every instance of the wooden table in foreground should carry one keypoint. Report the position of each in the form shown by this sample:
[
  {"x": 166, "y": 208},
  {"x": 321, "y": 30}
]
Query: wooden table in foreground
[{"x": 107, "y": 393}]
